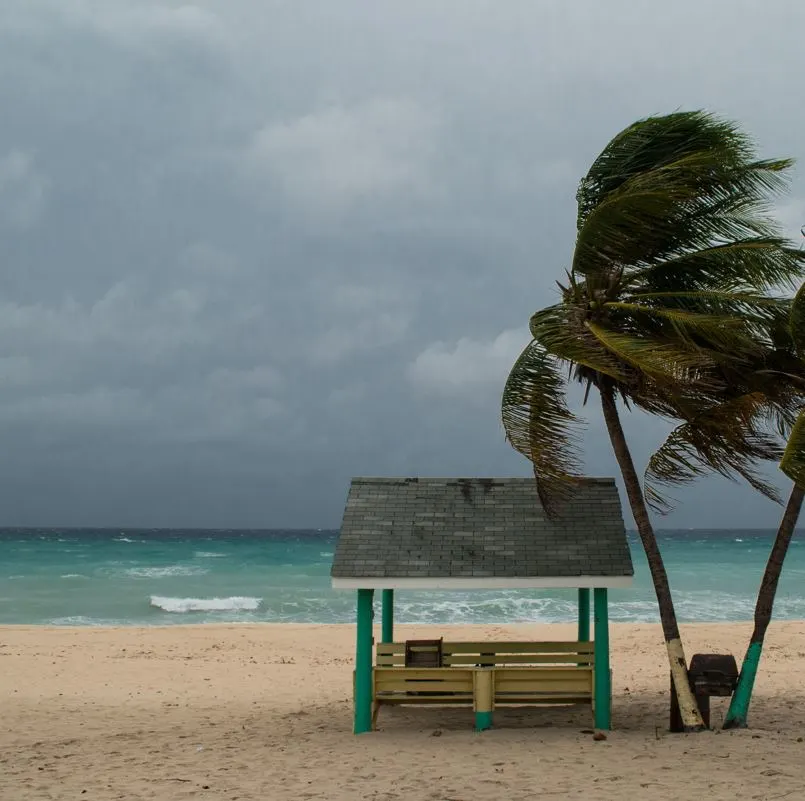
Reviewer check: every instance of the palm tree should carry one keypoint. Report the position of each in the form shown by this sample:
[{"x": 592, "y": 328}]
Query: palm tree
[
  {"x": 793, "y": 465},
  {"x": 771, "y": 390},
  {"x": 669, "y": 284}
]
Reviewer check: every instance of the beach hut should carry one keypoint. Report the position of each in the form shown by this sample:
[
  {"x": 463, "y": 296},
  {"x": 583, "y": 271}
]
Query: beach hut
[{"x": 480, "y": 534}]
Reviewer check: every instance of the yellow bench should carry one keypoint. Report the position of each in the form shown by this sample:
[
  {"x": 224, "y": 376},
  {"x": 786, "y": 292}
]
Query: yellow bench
[{"x": 486, "y": 675}]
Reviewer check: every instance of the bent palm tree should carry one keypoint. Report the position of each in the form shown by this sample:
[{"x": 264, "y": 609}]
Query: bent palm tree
[
  {"x": 793, "y": 465},
  {"x": 669, "y": 283},
  {"x": 772, "y": 390}
]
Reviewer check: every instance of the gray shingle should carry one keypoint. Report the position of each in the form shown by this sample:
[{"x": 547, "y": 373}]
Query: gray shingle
[{"x": 448, "y": 527}]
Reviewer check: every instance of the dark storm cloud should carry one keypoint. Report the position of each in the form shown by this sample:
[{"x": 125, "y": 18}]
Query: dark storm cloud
[{"x": 251, "y": 249}]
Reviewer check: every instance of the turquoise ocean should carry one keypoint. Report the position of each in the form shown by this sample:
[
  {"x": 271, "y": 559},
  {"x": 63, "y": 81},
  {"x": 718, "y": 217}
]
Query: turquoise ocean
[{"x": 162, "y": 577}]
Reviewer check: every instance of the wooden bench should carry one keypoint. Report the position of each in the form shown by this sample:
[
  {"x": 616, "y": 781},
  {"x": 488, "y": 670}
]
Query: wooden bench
[{"x": 486, "y": 675}]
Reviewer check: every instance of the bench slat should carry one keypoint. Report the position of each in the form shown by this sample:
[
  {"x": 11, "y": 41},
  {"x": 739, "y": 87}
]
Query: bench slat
[
  {"x": 441, "y": 700},
  {"x": 470, "y": 660},
  {"x": 541, "y": 687},
  {"x": 518, "y": 647},
  {"x": 546, "y": 670},
  {"x": 517, "y": 659},
  {"x": 542, "y": 699},
  {"x": 501, "y": 647},
  {"x": 431, "y": 674},
  {"x": 423, "y": 686}
]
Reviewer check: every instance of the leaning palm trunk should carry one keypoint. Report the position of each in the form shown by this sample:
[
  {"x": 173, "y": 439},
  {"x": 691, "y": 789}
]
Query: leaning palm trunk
[
  {"x": 689, "y": 710},
  {"x": 738, "y": 712}
]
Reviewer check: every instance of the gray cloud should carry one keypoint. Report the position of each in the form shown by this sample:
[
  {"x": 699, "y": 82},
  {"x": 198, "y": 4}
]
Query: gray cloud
[
  {"x": 329, "y": 161},
  {"x": 468, "y": 365},
  {"x": 23, "y": 190},
  {"x": 251, "y": 250}
]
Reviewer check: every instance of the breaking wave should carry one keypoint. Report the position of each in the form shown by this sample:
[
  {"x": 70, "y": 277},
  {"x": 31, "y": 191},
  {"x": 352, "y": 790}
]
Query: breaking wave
[
  {"x": 165, "y": 572},
  {"x": 183, "y": 605}
]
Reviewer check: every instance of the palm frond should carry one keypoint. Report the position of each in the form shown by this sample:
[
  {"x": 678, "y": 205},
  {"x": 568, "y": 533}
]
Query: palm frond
[
  {"x": 668, "y": 186},
  {"x": 663, "y": 361},
  {"x": 793, "y": 461},
  {"x": 722, "y": 332},
  {"x": 561, "y": 330},
  {"x": 539, "y": 425},
  {"x": 650, "y": 143},
  {"x": 744, "y": 265},
  {"x": 727, "y": 439},
  {"x": 668, "y": 214},
  {"x": 797, "y": 321},
  {"x": 672, "y": 301},
  {"x": 749, "y": 307}
]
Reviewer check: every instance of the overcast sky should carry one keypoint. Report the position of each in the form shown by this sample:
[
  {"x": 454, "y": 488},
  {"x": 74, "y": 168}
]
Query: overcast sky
[{"x": 250, "y": 249}]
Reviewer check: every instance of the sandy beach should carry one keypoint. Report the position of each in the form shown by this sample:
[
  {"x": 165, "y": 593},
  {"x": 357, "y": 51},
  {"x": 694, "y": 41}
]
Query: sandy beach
[{"x": 263, "y": 712}]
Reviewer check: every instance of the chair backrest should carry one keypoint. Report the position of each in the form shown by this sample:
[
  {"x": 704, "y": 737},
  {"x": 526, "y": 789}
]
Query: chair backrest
[{"x": 423, "y": 653}]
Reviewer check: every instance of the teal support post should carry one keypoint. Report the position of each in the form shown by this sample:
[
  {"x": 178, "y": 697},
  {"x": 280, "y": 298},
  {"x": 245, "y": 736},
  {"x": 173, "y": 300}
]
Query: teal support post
[
  {"x": 388, "y": 616},
  {"x": 363, "y": 663},
  {"x": 584, "y": 615},
  {"x": 602, "y": 677},
  {"x": 738, "y": 712}
]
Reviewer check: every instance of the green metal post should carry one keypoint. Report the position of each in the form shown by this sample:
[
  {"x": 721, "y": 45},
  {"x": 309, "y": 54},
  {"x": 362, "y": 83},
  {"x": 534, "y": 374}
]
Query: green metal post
[
  {"x": 388, "y": 616},
  {"x": 584, "y": 615},
  {"x": 363, "y": 663},
  {"x": 602, "y": 677}
]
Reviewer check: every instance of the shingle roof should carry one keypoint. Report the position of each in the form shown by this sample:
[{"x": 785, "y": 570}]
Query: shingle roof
[{"x": 429, "y": 528}]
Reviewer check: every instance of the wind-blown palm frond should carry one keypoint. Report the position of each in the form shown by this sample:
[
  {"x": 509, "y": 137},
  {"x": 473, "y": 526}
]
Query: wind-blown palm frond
[
  {"x": 727, "y": 439},
  {"x": 673, "y": 297},
  {"x": 797, "y": 321},
  {"x": 793, "y": 461},
  {"x": 667, "y": 213},
  {"x": 757, "y": 262},
  {"x": 668, "y": 189},
  {"x": 648, "y": 144},
  {"x": 721, "y": 333},
  {"x": 539, "y": 425},
  {"x": 749, "y": 307},
  {"x": 663, "y": 361},
  {"x": 561, "y": 330}
]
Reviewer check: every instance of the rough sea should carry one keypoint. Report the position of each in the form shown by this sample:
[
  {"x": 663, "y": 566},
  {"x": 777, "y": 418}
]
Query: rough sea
[{"x": 159, "y": 577}]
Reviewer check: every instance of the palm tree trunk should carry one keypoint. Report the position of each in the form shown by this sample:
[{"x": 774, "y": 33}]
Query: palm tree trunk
[
  {"x": 739, "y": 705},
  {"x": 689, "y": 710}
]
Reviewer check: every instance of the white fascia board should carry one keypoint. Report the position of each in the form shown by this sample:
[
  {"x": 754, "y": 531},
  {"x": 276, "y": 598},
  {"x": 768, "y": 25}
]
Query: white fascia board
[{"x": 483, "y": 583}]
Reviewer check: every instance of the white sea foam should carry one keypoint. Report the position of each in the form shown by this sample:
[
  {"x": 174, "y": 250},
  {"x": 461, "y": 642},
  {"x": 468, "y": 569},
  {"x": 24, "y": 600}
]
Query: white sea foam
[
  {"x": 165, "y": 572},
  {"x": 182, "y": 605},
  {"x": 124, "y": 539},
  {"x": 209, "y": 555},
  {"x": 73, "y": 575}
]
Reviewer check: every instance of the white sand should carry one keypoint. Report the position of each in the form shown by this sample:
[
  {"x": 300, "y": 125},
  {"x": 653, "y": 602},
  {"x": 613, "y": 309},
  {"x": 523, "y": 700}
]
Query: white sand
[{"x": 264, "y": 712}]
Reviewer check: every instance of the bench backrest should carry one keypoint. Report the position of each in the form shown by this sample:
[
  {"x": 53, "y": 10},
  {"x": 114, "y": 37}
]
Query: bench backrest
[
  {"x": 428, "y": 685},
  {"x": 469, "y": 654},
  {"x": 557, "y": 683}
]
